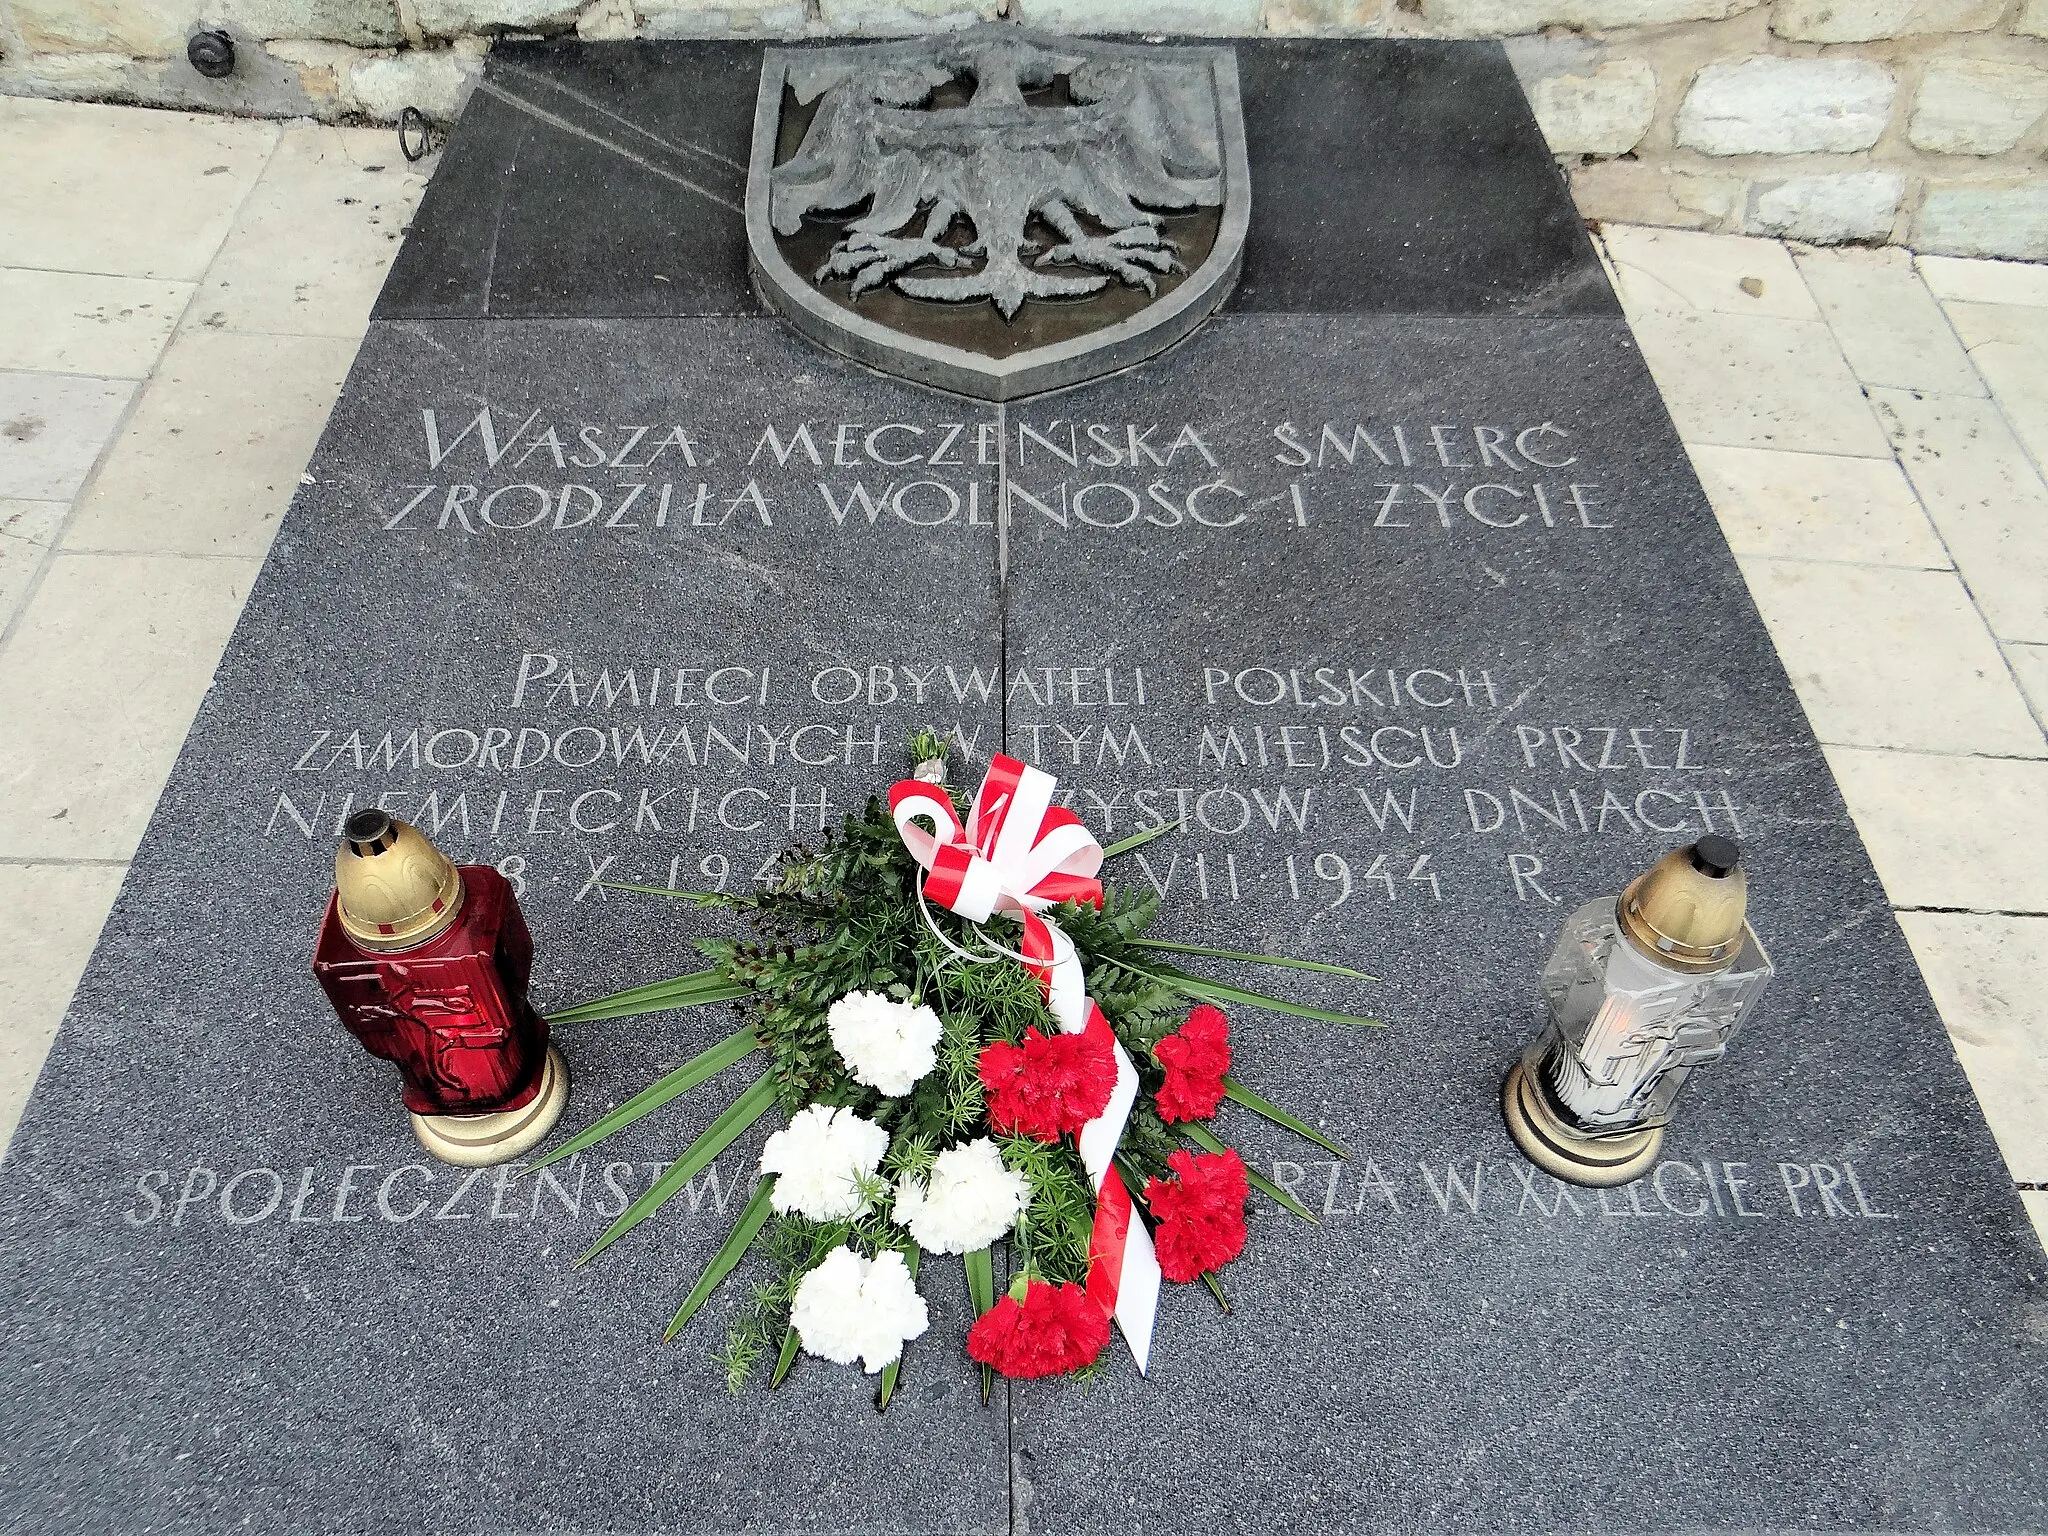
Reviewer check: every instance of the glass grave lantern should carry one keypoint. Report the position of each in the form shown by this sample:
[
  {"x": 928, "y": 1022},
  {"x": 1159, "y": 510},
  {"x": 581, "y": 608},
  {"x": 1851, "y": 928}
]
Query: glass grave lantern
[{"x": 1641, "y": 991}]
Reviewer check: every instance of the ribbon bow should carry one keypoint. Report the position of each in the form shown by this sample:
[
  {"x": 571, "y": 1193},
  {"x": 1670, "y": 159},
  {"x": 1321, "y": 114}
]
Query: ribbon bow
[{"x": 1019, "y": 853}]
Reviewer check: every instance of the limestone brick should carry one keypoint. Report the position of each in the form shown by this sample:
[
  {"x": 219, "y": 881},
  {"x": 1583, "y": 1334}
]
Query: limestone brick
[
  {"x": 721, "y": 18},
  {"x": 1312, "y": 18},
  {"x": 1827, "y": 209},
  {"x": 1778, "y": 106},
  {"x": 138, "y": 29},
  {"x": 69, "y": 74},
  {"x": 1603, "y": 111},
  {"x": 436, "y": 81},
  {"x": 453, "y": 18},
  {"x": 1514, "y": 18},
  {"x": 1864, "y": 21},
  {"x": 323, "y": 68},
  {"x": 362, "y": 23},
  {"x": 1976, "y": 106},
  {"x": 1634, "y": 192},
  {"x": 2007, "y": 220},
  {"x": 2032, "y": 20},
  {"x": 1200, "y": 18},
  {"x": 604, "y": 21},
  {"x": 899, "y": 18}
]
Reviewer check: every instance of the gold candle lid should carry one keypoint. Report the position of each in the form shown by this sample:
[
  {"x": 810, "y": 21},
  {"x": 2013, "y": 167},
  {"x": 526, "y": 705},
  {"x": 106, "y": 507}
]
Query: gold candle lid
[
  {"x": 396, "y": 890},
  {"x": 1687, "y": 911}
]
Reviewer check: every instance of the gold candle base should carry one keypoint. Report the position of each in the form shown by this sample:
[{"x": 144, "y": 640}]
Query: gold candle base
[
  {"x": 479, "y": 1141},
  {"x": 1563, "y": 1152}
]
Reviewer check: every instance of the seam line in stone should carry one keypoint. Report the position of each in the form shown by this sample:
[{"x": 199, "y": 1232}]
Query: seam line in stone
[{"x": 31, "y": 861}]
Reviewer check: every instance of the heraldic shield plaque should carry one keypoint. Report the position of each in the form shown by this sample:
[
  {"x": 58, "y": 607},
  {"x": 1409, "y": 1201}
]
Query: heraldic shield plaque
[{"x": 996, "y": 212}]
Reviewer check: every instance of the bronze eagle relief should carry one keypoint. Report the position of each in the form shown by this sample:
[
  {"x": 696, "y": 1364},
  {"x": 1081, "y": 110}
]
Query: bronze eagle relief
[{"x": 996, "y": 212}]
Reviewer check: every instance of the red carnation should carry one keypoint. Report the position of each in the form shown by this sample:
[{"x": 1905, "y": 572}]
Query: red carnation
[
  {"x": 1048, "y": 1086},
  {"x": 1052, "y": 1330},
  {"x": 1200, "y": 1215},
  {"x": 1195, "y": 1060}
]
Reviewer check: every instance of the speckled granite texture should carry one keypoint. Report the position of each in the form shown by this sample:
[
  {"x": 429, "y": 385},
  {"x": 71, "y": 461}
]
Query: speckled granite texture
[{"x": 1393, "y": 581}]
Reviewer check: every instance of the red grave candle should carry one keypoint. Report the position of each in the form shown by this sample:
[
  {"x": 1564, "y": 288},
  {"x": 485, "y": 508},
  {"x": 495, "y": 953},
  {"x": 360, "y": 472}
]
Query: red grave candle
[{"x": 427, "y": 964}]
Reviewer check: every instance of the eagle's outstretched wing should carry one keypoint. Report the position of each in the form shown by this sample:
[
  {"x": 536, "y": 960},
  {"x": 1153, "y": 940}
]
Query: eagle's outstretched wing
[
  {"x": 842, "y": 159},
  {"x": 1145, "y": 155}
]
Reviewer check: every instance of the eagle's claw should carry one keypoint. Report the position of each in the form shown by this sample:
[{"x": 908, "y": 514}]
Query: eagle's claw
[
  {"x": 1132, "y": 254},
  {"x": 871, "y": 260}
]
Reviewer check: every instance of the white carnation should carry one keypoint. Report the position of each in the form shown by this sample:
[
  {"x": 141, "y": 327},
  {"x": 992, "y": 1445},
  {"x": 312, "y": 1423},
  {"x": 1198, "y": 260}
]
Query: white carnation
[
  {"x": 817, "y": 1160},
  {"x": 885, "y": 1044},
  {"x": 971, "y": 1200},
  {"x": 853, "y": 1308}
]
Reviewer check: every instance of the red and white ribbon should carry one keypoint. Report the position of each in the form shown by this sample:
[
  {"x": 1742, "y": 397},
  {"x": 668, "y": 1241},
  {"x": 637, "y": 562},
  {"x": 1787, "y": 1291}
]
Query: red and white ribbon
[{"x": 1019, "y": 854}]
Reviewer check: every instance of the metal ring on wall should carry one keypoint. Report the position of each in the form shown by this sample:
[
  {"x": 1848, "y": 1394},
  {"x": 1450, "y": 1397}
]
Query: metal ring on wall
[{"x": 412, "y": 121}]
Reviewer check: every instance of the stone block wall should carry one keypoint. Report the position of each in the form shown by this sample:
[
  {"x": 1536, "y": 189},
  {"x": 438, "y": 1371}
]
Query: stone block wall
[{"x": 1921, "y": 122}]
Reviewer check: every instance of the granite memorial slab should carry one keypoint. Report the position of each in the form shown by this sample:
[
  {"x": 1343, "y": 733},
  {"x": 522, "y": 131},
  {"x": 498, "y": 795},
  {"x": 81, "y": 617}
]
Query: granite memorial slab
[
  {"x": 1389, "y": 584},
  {"x": 1426, "y": 635},
  {"x": 539, "y": 599}
]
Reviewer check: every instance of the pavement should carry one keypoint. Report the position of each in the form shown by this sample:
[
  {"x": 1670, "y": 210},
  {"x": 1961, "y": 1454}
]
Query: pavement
[{"x": 181, "y": 297}]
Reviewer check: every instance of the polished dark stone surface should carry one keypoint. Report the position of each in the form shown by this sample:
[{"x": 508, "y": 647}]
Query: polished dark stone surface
[
  {"x": 1404, "y": 178},
  {"x": 1463, "y": 1344},
  {"x": 589, "y": 179},
  {"x": 207, "y": 1316},
  {"x": 606, "y": 178},
  {"x": 233, "y": 1295}
]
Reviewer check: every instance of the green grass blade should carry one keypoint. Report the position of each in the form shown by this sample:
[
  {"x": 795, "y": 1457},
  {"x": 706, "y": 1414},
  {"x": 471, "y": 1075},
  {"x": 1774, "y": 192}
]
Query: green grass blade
[
  {"x": 981, "y": 1280},
  {"x": 705, "y": 978},
  {"x": 1237, "y": 1093},
  {"x": 911, "y": 1254},
  {"x": 679, "y": 986},
  {"x": 701, "y": 898},
  {"x": 1217, "y": 992},
  {"x": 678, "y": 992},
  {"x": 1134, "y": 1181},
  {"x": 981, "y": 1291},
  {"x": 606, "y": 1008},
  {"x": 1216, "y": 1290},
  {"x": 1140, "y": 839},
  {"x": 783, "y": 1361},
  {"x": 1204, "y": 1138},
  {"x": 649, "y": 1000},
  {"x": 751, "y": 1221},
  {"x": 1236, "y": 954},
  {"x": 1279, "y": 1196},
  {"x": 1205, "y": 991},
  {"x": 699, "y": 1069},
  {"x": 746, "y": 1109}
]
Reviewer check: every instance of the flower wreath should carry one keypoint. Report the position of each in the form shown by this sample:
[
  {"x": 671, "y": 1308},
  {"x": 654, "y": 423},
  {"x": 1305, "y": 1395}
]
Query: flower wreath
[{"x": 952, "y": 1083}]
